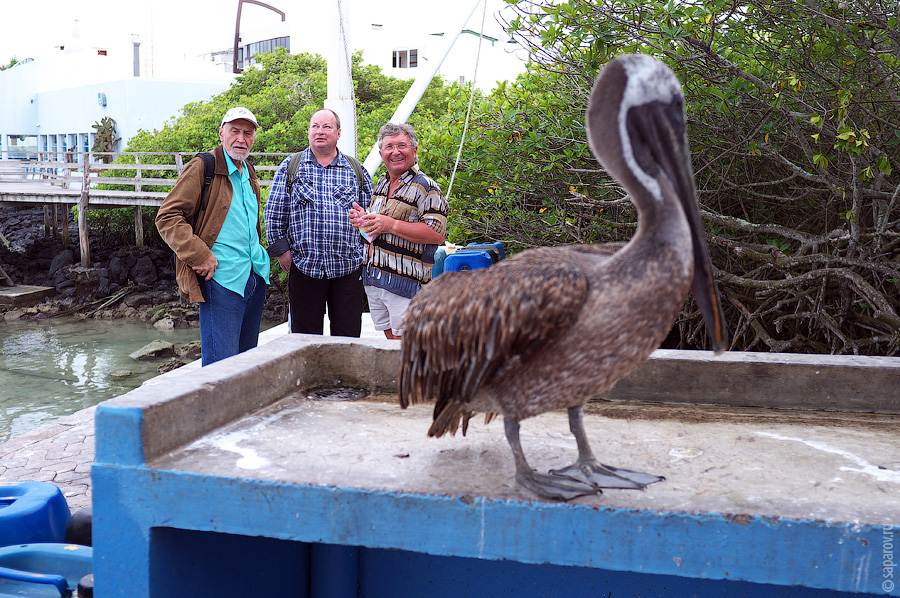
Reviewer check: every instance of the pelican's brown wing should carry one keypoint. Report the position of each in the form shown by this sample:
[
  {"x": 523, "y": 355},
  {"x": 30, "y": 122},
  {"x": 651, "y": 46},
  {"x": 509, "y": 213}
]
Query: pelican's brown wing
[{"x": 465, "y": 328}]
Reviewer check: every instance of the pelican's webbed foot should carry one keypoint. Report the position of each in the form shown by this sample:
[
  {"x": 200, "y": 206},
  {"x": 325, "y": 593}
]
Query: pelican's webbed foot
[
  {"x": 590, "y": 471},
  {"x": 545, "y": 486},
  {"x": 598, "y": 475},
  {"x": 554, "y": 487}
]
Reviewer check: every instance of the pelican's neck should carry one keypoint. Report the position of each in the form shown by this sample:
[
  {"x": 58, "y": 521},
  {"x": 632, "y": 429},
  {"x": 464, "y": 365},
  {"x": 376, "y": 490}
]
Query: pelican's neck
[{"x": 662, "y": 227}]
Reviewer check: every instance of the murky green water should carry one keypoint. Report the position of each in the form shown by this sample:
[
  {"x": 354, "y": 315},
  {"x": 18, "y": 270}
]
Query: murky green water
[{"x": 50, "y": 368}]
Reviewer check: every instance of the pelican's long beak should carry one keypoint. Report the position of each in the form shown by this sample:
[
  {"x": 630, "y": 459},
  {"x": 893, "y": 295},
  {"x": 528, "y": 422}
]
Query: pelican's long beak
[{"x": 662, "y": 126}]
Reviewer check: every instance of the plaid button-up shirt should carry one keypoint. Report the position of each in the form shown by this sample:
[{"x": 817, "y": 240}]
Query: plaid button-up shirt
[{"x": 314, "y": 223}]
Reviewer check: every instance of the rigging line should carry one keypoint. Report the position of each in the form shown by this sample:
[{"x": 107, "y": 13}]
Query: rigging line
[
  {"x": 340, "y": 7},
  {"x": 471, "y": 100}
]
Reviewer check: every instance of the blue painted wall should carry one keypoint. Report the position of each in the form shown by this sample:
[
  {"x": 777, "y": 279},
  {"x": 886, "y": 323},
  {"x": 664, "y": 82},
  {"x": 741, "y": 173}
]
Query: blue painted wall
[{"x": 192, "y": 563}]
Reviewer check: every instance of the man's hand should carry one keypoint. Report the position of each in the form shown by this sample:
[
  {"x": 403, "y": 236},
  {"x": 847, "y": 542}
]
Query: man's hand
[
  {"x": 207, "y": 268},
  {"x": 357, "y": 215},
  {"x": 285, "y": 260},
  {"x": 377, "y": 224}
]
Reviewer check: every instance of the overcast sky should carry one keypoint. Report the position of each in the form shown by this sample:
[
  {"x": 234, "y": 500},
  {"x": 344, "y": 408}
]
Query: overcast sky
[{"x": 31, "y": 28}]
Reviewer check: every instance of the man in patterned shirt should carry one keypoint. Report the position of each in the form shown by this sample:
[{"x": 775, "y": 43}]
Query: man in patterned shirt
[
  {"x": 310, "y": 234},
  {"x": 407, "y": 222}
]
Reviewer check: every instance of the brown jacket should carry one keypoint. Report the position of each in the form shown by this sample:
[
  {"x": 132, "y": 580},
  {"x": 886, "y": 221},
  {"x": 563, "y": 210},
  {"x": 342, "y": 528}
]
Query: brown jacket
[{"x": 176, "y": 216}]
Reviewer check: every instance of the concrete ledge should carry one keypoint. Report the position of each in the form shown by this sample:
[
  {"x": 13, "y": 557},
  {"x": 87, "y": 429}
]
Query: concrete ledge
[
  {"x": 182, "y": 404},
  {"x": 183, "y": 407},
  {"x": 178, "y": 408},
  {"x": 778, "y": 380}
]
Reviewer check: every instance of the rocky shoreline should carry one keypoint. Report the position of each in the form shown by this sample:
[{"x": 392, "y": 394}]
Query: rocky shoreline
[{"x": 122, "y": 281}]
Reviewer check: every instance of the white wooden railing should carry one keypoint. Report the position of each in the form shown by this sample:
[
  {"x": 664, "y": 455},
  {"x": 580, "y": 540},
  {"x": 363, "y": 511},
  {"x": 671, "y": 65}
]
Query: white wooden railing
[{"x": 52, "y": 178}]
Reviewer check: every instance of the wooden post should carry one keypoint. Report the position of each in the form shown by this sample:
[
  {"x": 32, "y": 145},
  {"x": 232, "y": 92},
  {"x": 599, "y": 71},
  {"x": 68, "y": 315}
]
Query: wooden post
[
  {"x": 138, "y": 218},
  {"x": 138, "y": 227},
  {"x": 55, "y": 220},
  {"x": 83, "y": 241},
  {"x": 67, "y": 175},
  {"x": 65, "y": 224},
  {"x": 46, "y": 221}
]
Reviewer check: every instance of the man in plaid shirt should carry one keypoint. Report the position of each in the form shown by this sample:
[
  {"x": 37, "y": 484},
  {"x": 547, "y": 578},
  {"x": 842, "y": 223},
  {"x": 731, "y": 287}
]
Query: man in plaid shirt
[{"x": 310, "y": 233}]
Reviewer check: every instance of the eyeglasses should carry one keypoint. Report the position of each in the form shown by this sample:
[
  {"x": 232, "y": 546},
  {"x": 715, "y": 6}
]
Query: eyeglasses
[{"x": 400, "y": 146}]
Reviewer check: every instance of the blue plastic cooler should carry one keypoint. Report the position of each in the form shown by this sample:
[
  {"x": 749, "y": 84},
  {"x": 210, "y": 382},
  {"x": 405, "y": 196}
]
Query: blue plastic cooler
[{"x": 473, "y": 257}]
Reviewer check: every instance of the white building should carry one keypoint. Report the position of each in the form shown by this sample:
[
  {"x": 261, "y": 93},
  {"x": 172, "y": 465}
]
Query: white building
[
  {"x": 51, "y": 104},
  {"x": 142, "y": 73}
]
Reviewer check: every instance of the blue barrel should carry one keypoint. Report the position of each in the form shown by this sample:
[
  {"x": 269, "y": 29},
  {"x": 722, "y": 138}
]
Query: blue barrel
[
  {"x": 30, "y": 569},
  {"x": 32, "y": 512}
]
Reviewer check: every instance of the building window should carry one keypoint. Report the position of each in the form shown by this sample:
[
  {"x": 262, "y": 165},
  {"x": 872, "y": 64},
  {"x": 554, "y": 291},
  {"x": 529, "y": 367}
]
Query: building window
[
  {"x": 246, "y": 53},
  {"x": 405, "y": 59}
]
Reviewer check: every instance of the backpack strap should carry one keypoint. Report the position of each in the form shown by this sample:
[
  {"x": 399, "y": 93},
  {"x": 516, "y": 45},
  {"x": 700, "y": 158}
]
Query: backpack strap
[
  {"x": 357, "y": 170},
  {"x": 209, "y": 167},
  {"x": 294, "y": 167}
]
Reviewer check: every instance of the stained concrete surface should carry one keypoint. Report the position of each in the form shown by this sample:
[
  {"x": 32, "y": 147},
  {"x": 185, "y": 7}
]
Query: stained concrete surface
[{"x": 808, "y": 469}]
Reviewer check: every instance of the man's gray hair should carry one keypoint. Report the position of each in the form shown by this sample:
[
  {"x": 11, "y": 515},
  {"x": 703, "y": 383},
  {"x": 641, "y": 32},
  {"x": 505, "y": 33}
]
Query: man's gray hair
[{"x": 391, "y": 129}]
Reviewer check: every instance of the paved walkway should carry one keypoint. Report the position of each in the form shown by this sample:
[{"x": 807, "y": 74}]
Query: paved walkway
[{"x": 62, "y": 451}]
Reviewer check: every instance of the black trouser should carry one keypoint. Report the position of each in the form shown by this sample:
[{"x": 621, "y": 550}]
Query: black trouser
[{"x": 343, "y": 296}]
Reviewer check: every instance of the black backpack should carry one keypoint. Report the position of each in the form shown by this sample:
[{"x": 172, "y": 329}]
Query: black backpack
[{"x": 209, "y": 167}]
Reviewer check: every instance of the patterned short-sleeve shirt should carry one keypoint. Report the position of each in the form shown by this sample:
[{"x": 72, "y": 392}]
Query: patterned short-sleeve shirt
[{"x": 398, "y": 265}]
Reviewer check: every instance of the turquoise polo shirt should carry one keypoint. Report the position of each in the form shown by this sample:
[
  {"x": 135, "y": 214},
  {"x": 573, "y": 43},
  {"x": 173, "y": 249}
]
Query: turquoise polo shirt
[{"x": 237, "y": 247}]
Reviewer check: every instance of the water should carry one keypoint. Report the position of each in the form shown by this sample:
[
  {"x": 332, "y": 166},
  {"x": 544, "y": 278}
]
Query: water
[{"x": 51, "y": 368}]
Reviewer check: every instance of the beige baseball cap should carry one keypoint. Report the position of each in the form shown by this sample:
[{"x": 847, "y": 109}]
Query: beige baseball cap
[{"x": 237, "y": 113}]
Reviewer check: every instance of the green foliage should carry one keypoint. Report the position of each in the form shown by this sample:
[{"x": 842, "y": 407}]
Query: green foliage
[
  {"x": 12, "y": 62},
  {"x": 526, "y": 176},
  {"x": 118, "y": 223}
]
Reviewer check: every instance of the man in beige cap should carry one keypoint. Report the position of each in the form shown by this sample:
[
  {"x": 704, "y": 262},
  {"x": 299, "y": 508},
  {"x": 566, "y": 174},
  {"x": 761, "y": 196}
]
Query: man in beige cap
[{"x": 220, "y": 261}]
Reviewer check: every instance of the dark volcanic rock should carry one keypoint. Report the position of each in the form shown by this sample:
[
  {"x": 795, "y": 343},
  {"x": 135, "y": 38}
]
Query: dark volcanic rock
[
  {"x": 123, "y": 280},
  {"x": 118, "y": 270},
  {"x": 62, "y": 259},
  {"x": 144, "y": 272}
]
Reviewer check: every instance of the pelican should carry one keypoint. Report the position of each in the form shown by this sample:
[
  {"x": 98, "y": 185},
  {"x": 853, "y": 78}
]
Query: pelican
[{"x": 551, "y": 327}]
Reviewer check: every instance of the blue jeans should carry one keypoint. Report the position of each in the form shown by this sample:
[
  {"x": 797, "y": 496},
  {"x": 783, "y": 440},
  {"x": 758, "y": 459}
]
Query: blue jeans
[{"x": 229, "y": 323}]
